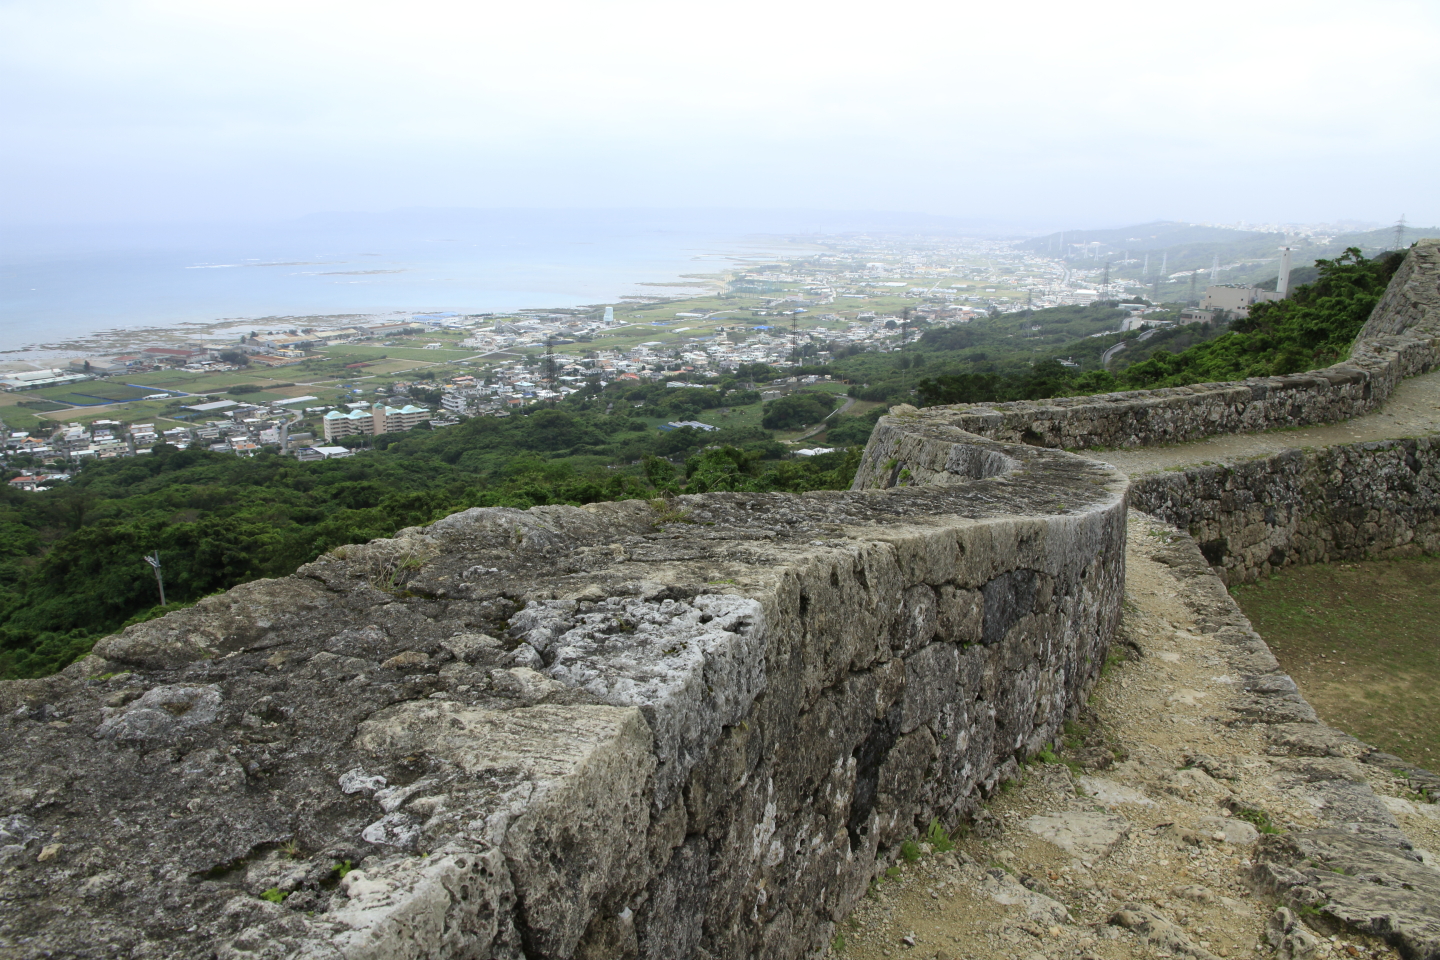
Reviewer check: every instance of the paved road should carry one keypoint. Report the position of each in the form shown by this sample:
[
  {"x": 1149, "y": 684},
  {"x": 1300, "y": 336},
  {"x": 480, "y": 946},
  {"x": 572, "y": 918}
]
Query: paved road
[
  {"x": 849, "y": 402},
  {"x": 1413, "y": 410}
]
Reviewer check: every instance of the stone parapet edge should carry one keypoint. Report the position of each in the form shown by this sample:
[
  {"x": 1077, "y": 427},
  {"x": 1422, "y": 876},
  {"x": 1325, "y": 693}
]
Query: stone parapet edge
[{"x": 1336, "y": 869}]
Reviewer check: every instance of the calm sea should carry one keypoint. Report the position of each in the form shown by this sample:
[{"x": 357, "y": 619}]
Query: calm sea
[{"x": 61, "y": 284}]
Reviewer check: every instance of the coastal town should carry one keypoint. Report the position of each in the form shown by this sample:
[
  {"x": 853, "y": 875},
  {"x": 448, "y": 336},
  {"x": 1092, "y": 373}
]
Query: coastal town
[{"x": 324, "y": 387}]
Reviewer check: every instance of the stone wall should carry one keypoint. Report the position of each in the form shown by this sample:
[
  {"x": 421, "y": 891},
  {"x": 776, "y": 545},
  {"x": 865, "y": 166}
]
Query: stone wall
[
  {"x": 1349, "y": 864},
  {"x": 1350, "y": 502},
  {"x": 685, "y": 728},
  {"x": 1401, "y": 339}
]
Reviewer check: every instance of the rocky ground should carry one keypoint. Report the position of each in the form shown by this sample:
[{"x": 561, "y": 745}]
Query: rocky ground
[{"x": 1144, "y": 839}]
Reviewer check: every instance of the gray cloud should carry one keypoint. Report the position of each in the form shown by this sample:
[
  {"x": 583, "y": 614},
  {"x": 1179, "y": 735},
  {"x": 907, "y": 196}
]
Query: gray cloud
[{"x": 165, "y": 110}]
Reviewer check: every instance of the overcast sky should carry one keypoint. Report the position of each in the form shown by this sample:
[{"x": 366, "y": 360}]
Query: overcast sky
[{"x": 1041, "y": 112}]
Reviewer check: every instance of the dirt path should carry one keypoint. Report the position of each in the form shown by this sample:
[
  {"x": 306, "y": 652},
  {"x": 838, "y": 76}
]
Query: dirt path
[
  {"x": 1135, "y": 851},
  {"x": 1413, "y": 410}
]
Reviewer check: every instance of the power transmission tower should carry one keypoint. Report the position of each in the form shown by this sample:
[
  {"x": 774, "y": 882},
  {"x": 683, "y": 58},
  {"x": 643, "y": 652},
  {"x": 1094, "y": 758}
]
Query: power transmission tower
[
  {"x": 1215, "y": 269},
  {"x": 1400, "y": 233}
]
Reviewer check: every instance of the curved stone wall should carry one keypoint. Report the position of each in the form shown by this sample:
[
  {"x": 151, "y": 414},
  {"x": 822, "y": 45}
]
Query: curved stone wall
[
  {"x": 1348, "y": 502},
  {"x": 684, "y": 728},
  {"x": 1401, "y": 339}
]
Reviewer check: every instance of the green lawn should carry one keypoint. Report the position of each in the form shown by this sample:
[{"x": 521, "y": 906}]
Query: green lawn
[
  {"x": 357, "y": 353},
  {"x": 190, "y": 382},
  {"x": 90, "y": 392},
  {"x": 1360, "y": 640}
]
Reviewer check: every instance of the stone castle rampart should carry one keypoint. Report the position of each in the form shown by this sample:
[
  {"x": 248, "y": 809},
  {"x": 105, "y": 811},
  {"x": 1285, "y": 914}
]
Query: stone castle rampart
[
  {"x": 1401, "y": 339},
  {"x": 684, "y": 728},
  {"x": 1349, "y": 502},
  {"x": 688, "y": 728}
]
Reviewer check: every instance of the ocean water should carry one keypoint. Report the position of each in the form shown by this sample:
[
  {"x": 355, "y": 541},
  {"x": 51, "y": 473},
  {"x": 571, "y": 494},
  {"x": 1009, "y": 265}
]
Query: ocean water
[{"x": 59, "y": 285}]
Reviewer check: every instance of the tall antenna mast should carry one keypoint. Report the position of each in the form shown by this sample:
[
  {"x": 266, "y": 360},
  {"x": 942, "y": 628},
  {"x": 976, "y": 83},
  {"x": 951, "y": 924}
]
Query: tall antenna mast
[{"x": 1105, "y": 280}]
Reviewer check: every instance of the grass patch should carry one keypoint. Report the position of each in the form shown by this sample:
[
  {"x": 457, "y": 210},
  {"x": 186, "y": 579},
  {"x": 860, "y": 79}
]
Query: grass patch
[
  {"x": 938, "y": 837},
  {"x": 1259, "y": 819},
  {"x": 354, "y": 353},
  {"x": 1359, "y": 639}
]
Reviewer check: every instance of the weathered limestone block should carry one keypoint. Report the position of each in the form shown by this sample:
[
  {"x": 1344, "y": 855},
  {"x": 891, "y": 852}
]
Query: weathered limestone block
[
  {"x": 1347, "y": 502},
  {"x": 614, "y": 730}
]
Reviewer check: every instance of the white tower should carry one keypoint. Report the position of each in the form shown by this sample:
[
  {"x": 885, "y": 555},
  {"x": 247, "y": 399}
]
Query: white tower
[
  {"x": 1282, "y": 283},
  {"x": 609, "y": 314}
]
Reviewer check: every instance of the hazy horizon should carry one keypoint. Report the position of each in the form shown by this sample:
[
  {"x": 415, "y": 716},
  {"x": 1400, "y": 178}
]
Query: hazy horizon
[{"x": 146, "y": 112}]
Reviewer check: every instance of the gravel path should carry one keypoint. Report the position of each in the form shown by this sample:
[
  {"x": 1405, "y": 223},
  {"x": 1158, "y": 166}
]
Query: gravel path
[{"x": 1413, "y": 410}]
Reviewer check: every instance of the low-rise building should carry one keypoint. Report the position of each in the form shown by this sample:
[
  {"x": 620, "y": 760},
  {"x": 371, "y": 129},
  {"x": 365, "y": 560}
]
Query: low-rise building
[{"x": 1237, "y": 299}]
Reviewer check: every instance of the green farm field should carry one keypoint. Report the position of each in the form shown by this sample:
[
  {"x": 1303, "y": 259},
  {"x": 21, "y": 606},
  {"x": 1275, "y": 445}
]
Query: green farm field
[
  {"x": 91, "y": 392},
  {"x": 355, "y": 353},
  {"x": 1360, "y": 640}
]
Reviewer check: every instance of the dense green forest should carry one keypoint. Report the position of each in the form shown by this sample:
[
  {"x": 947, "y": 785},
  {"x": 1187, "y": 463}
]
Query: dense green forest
[
  {"x": 1313, "y": 328},
  {"x": 70, "y": 567}
]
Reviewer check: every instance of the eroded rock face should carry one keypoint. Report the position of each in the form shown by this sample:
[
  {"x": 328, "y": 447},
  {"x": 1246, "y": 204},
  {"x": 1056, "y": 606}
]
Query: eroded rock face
[{"x": 602, "y": 731}]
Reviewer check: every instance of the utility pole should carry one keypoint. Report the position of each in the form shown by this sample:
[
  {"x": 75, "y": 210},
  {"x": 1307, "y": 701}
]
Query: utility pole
[
  {"x": 154, "y": 560},
  {"x": 904, "y": 337}
]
